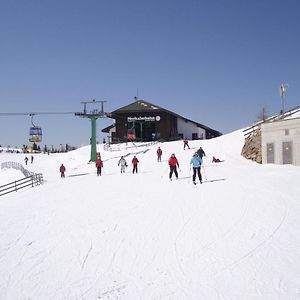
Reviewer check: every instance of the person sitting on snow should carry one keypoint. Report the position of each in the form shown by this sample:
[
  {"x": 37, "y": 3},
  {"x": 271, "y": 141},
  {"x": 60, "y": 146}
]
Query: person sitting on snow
[{"x": 216, "y": 160}]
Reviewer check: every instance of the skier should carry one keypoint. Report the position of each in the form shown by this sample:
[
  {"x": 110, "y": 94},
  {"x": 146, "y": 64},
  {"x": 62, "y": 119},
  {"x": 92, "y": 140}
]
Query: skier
[
  {"x": 26, "y": 160},
  {"x": 32, "y": 158},
  {"x": 122, "y": 162},
  {"x": 196, "y": 162},
  {"x": 62, "y": 171},
  {"x": 201, "y": 152},
  {"x": 159, "y": 154},
  {"x": 186, "y": 143},
  {"x": 173, "y": 163},
  {"x": 99, "y": 165},
  {"x": 135, "y": 162}
]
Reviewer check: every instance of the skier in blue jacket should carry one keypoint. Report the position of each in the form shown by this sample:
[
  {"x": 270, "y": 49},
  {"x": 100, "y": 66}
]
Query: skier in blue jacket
[{"x": 196, "y": 163}]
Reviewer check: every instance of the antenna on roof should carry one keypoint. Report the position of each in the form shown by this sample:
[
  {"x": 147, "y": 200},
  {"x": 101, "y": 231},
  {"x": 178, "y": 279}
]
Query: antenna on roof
[
  {"x": 137, "y": 94},
  {"x": 282, "y": 91}
]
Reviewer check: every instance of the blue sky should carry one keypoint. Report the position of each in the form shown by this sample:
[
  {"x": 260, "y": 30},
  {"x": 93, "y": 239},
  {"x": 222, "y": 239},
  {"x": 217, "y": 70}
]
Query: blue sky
[{"x": 215, "y": 62}]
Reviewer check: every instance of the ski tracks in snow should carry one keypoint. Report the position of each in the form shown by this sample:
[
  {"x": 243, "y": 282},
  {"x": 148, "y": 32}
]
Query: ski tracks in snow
[
  {"x": 261, "y": 244},
  {"x": 87, "y": 255},
  {"x": 210, "y": 252}
]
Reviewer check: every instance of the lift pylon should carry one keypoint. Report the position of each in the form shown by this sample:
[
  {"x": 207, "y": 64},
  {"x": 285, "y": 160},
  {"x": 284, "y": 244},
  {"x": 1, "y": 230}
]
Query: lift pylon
[{"x": 93, "y": 116}]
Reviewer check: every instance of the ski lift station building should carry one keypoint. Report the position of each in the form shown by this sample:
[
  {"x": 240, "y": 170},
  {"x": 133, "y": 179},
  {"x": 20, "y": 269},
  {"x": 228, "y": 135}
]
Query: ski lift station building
[
  {"x": 144, "y": 121},
  {"x": 281, "y": 140}
]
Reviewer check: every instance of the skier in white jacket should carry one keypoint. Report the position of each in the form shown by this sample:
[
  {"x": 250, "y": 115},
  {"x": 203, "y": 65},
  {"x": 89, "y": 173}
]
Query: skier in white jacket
[{"x": 122, "y": 162}]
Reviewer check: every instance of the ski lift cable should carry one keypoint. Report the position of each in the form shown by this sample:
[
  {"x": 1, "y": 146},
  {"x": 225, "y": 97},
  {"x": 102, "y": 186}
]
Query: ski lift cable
[{"x": 35, "y": 113}]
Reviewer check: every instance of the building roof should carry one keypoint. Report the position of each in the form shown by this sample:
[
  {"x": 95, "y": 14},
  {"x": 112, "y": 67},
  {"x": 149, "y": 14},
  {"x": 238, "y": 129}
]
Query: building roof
[
  {"x": 292, "y": 113},
  {"x": 108, "y": 128},
  {"x": 139, "y": 106},
  {"x": 144, "y": 106}
]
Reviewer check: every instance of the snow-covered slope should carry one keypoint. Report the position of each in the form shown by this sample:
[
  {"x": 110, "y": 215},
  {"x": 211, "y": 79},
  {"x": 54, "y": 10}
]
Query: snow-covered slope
[{"x": 141, "y": 236}]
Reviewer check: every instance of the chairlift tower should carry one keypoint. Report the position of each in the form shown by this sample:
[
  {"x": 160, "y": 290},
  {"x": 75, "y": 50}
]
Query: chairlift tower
[{"x": 93, "y": 115}]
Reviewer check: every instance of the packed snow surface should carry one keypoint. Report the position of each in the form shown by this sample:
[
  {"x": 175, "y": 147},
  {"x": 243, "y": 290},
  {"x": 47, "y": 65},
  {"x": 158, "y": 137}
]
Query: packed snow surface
[{"x": 142, "y": 236}]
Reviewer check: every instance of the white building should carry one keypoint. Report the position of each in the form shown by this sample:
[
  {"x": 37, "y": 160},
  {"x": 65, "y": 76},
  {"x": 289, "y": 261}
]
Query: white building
[{"x": 281, "y": 140}]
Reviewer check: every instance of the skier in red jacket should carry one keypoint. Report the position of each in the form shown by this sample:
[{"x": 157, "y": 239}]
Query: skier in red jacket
[
  {"x": 99, "y": 165},
  {"x": 159, "y": 154},
  {"x": 62, "y": 171},
  {"x": 173, "y": 163},
  {"x": 135, "y": 162},
  {"x": 186, "y": 143}
]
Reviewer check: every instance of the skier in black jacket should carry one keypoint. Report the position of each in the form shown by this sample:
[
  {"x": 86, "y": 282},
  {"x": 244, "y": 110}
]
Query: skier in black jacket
[{"x": 201, "y": 152}]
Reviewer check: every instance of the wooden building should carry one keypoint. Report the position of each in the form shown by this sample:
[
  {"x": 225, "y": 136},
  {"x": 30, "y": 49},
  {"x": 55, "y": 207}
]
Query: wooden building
[{"x": 144, "y": 121}]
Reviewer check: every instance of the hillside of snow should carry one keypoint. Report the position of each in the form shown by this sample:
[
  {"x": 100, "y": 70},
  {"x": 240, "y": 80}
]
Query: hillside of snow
[{"x": 142, "y": 236}]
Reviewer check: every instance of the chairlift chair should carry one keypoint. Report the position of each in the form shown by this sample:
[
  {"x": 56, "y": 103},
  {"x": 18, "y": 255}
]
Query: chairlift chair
[{"x": 35, "y": 132}]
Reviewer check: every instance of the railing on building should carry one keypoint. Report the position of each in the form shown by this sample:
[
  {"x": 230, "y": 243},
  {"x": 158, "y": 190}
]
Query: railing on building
[
  {"x": 127, "y": 145},
  {"x": 252, "y": 129}
]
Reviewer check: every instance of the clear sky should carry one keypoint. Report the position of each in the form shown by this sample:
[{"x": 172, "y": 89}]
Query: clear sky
[{"x": 215, "y": 62}]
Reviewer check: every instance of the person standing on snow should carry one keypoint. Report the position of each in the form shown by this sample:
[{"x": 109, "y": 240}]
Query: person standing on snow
[
  {"x": 62, "y": 171},
  {"x": 135, "y": 162},
  {"x": 201, "y": 152},
  {"x": 26, "y": 160},
  {"x": 186, "y": 143},
  {"x": 196, "y": 163},
  {"x": 159, "y": 154},
  {"x": 122, "y": 162},
  {"x": 173, "y": 163},
  {"x": 99, "y": 165}
]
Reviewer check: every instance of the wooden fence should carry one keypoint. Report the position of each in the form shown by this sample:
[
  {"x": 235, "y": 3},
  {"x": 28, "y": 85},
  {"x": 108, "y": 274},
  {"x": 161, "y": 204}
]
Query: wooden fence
[
  {"x": 127, "y": 145},
  {"x": 31, "y": 179}
]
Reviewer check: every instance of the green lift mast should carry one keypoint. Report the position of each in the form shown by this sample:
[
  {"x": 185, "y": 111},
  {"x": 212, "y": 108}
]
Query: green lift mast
[{"x": 93, "y": 116}]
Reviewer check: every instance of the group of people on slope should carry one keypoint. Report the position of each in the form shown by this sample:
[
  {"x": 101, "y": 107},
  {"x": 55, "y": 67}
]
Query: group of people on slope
[
  {"x": 123, "y": 163},
  {"x": 26, "y": 159},
  {"x": 196, "y": 163},
  {"x": 99, "y": 165}
]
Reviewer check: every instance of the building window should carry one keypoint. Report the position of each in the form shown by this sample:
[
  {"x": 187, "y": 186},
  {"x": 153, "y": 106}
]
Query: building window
[{"x": 286, "y": 132}]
